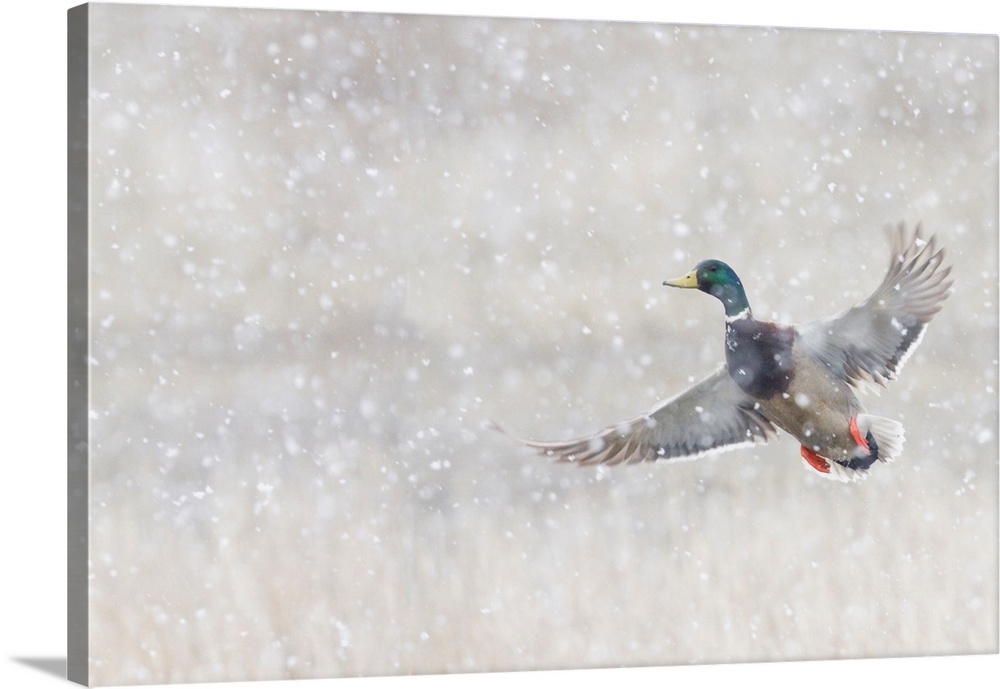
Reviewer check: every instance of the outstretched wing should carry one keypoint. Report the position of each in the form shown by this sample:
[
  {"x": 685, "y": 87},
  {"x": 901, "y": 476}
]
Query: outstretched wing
[
  {"x": 711, "y": 416},
  {"x": 868, "y": 344}
]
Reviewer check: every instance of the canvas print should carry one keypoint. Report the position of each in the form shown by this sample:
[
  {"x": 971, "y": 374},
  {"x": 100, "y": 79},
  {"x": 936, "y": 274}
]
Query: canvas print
[{"x": 427, "y": 344}]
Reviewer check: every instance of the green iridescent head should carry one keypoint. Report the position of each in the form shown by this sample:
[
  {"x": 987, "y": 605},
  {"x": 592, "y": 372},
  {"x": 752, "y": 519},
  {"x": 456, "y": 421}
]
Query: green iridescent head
[{"x": 718, "y": 279}]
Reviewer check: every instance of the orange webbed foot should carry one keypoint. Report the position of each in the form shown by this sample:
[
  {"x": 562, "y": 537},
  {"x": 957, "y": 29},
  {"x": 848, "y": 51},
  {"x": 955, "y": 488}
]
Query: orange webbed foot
[
  {"x": 856, "y": 434},
  {"x": 815, "y": 461}
]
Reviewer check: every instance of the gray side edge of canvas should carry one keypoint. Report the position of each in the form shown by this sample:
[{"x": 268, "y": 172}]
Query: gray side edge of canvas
[{"x": 77, "y": 626}]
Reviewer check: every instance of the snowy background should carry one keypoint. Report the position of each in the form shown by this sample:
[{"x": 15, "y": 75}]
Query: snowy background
[{"x": 326, "y": 248}]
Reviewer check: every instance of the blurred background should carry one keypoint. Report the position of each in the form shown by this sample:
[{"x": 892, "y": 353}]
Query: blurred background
[{"x": 326, "y": 248}]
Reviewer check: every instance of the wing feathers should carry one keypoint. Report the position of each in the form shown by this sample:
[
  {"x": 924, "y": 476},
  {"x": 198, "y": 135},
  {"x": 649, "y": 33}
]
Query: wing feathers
[
  {"x": 868, "y": 344},
  {"x": 711, "y": 416}
]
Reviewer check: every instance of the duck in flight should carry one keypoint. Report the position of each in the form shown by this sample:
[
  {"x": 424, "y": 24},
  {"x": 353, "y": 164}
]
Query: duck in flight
[{"x": 802, "y": 379}]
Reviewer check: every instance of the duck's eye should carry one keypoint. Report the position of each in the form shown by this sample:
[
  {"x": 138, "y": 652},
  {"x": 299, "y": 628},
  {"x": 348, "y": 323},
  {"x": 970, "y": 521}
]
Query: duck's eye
[{"x": 713, "y": 269}]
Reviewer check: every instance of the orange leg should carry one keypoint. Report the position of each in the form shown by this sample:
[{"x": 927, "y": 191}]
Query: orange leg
[
  {"x": 856, "y": 434},
  {"x": 815, "y": 461}
]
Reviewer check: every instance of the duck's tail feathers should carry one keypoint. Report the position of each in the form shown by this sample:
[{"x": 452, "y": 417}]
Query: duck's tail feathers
[
  {"x": 885, "y": 443},
  {"x": 888, "y": 435}
]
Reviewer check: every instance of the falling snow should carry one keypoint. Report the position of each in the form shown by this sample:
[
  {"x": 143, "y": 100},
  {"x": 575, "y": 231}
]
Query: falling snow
[{"x": 326, "y": 248}]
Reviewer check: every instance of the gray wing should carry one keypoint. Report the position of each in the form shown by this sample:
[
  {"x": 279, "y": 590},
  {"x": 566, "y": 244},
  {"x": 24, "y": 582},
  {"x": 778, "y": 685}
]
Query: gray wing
[
  {"x": 712, "y": 415},
  {"x": 869, "y": 344}
]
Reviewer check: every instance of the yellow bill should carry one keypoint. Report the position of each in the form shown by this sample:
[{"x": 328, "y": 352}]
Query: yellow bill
[{"x": 688, "y": 281}]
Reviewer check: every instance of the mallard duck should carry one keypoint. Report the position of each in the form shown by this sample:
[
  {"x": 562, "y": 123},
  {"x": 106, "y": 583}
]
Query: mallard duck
[{"x": 802, "y": 379}]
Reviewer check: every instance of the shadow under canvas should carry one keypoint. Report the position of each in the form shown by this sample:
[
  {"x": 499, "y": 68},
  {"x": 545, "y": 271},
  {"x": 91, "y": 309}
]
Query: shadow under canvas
[{"x": 48, "y": 665}]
